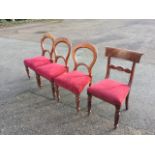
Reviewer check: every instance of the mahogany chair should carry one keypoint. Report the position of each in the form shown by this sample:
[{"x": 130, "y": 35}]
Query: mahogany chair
[
  {"x": 112, "y": 91},
  {"x": 38, "y": 61},
  {"x": 52, "y": 70},
  {"x": 75, "y": 81}
]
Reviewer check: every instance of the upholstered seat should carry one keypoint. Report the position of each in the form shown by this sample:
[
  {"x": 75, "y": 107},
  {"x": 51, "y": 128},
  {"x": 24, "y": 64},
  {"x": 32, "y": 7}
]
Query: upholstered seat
[
  {"x": 109, "y": 90},
  {"x": 36, "y": 62},
  {"x": 74, "y": 81},
  {"x": 50, "y": 71}
]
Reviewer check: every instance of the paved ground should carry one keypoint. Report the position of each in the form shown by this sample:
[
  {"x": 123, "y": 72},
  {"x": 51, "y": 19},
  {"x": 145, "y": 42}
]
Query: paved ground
[{"x": 25, "y": 109}]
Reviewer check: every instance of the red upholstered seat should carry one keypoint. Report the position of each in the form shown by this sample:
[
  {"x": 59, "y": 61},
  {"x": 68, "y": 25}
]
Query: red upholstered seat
[
  {"x": 110, "y": 90},
  {"x": 36, "y": 62},
  {"x": 74, "y": 81},
  {"x": 52, "y": 70}
]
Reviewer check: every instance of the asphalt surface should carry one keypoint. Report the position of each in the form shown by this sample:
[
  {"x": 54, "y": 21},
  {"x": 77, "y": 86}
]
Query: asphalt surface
[{"x": 26, "y": 109}]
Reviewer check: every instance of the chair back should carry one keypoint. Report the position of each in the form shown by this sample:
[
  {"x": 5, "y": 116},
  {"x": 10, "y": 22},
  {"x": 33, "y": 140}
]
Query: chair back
[
  {"x": 57, "y": 56},
  {"x": 92, "y": 49},
  {"x": 50, "y": 37},
  {"x": 132, "y": 56}
]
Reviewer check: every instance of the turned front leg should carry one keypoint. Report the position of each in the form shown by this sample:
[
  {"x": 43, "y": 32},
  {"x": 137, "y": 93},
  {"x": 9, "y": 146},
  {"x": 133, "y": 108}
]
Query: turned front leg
[
  {"x": 53, "y": 89},
  {"x": 38, "y": 80},
  {"x": 89, "y": 103},
  {"x": 127, "y": 102},
  {"x": 77, "y": 97},
  {"x": 27, "y": 71},
  {"x": 117, "y": 116},
  {"x": 57, "y": 93}
]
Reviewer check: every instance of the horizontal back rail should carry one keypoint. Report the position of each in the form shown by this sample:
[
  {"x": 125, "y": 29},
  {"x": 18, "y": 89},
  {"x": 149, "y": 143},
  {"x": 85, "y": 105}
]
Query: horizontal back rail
[
  {"x": 123, "y": 54},
  {"x": 119, "y": 68}
]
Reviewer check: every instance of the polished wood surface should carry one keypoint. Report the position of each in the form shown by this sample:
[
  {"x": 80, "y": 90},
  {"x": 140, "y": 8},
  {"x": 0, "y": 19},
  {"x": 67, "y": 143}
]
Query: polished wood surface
[
  {"x": 57, "y": 93},
  {"x": 77, "y": 100},
  {"x": 44, "y": 50},
  {"x": 117, "y": 116},
  {"x": 125, "y": 54},
  {"x": 92, "y": 49},
  {"x": 89, "y": 103},
  {"x": 69, "y": 45},
  {"x": 27, "y": 71},
  {"x": 38, "y": 80},
  {"x": 53, "y": 90}
]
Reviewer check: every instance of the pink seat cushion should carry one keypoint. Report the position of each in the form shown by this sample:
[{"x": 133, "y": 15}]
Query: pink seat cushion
[
  {"x": 36, "y": 62},
  {"x": 52, "y": 70},
  {"x": 110, "y": 90},
  {"x": 74, "y": 81}
]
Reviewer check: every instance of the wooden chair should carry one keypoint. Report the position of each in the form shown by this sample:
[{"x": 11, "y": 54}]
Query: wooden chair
[
  {"x": 52, "y": 70},
  {"x": 112, "y": 91},
  {"x": 75, "y": 81},
  {"x": 38, "y": 61}
]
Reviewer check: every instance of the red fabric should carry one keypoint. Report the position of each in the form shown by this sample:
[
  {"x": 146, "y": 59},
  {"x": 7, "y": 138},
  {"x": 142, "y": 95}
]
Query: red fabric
[
  {"x": 36, "y": 62},
  {"x": 110, "y": 90},
  {"x": 50, "y": 71},
  {"x": 74, "y": 81}
]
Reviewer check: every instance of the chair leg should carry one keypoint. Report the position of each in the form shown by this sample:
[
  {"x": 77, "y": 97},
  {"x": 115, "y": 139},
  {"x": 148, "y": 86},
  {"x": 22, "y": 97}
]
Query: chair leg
[
  {"x": 77, "y": 102},
  {"x": 117, "y": 115},
  {"x": 53, "y": 89},
  {"x": 127, "y": 102},
  {"x": 38, "y": 80},
  {"x": 89, "y": 103},
  {"x": 57, "y": 93},
  {"x": 90, "y": 83},
  {"x": 27, "y": 71}
]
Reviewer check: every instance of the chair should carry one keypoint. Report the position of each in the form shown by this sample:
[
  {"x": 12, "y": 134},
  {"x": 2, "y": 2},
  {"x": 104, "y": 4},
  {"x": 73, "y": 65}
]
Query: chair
[
  {"x": 52, "y": 70},
  {"x": 37, "y": 61},
  {"x": 112, "y": 91},
  {"x": 75, "y": 81}
]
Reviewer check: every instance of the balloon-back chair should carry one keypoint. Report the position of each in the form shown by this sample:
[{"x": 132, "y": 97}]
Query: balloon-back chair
[
  {"x": 52, "y": 70},
  {"x": 75, "y": 81}
]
